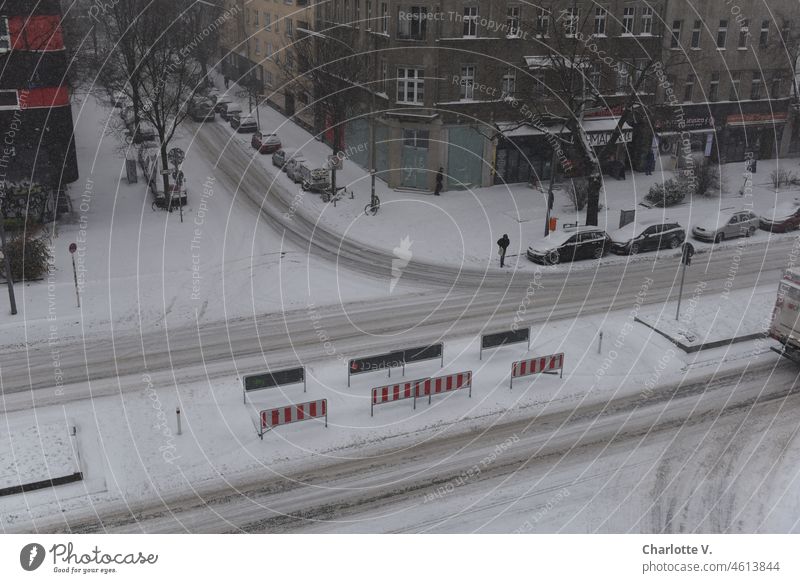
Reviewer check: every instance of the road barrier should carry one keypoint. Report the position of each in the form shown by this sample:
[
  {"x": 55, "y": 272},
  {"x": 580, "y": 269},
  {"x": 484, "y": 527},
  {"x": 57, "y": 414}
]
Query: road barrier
[
  {"x": 392, "y": 393},
  {"x": 271, "y": 418},
  {"x": 541, "y": 364},
  {"x": 444, "y": 384},
  {"x": 395, "y": 359},
  {"x": 498, "y": 339},
  {"x": 267, "y": 380}
]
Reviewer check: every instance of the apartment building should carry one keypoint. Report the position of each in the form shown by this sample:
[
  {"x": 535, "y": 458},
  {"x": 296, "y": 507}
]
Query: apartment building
[{"x": 35, "y": 116}]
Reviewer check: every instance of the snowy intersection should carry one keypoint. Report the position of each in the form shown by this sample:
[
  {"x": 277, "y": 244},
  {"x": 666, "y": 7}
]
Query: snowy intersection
[{"x": 234, "y": 263}]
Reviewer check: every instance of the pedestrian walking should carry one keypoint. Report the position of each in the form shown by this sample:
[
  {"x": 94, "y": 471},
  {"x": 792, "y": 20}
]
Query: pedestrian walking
[
  {"x": 650, "y": 164},
  {"x": 439, "y": 180},
  {"x": 503, "y": 243},
  {"x": 227, "y": 81}
]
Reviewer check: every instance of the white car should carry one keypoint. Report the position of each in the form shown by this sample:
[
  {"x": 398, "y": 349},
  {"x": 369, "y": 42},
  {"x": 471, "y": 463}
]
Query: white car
[
  {"x": 726, "y": 225},
  {"x": 293, "y": 168}
]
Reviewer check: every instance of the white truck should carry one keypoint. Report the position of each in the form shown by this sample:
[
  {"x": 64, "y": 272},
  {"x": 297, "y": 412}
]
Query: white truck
[{"x": 785, "y": 326}]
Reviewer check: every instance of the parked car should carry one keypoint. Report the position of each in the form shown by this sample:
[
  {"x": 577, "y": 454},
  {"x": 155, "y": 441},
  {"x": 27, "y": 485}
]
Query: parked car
[
  {"x": 293, "y": 168},
  {"x": 581, "y": 243},
  {"x": 229, "y": 109},
  {"x": 244, "y": 123},
  {"x": 784, "y": 218},
  {"x": 647, "y": 236},
  {"x": 221, "y": 102},
  {"x": 266, "y": 143},
  {"x": 726, "y": 225},
  {"x": 201, "y": 110},
  {"x": 282, "y": 156}
]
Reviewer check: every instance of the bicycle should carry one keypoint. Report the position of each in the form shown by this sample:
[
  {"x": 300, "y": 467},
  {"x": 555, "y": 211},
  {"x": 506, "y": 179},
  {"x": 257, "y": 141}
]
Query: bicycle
[{"x": 373, "y": 207}]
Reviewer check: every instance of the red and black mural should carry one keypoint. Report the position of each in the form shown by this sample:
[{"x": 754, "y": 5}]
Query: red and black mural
[{"x": 36, "y": 128}]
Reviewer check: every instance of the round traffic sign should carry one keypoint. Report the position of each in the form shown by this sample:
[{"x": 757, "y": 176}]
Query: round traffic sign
[{"x": 73, "y": 247}]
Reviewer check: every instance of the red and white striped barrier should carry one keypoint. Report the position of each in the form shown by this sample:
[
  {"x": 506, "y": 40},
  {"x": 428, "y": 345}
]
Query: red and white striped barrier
[
  {"x": 444, "y": 384},
  {"x": 541, "y": 364},
  {"x": 395, "y": 392},
  {"x": 271, "y": 418}
]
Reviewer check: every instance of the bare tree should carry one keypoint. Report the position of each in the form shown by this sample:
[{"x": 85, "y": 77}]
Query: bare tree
[
  {"x": 579, "y": 71},
  {"x": 328, "y": 63}
]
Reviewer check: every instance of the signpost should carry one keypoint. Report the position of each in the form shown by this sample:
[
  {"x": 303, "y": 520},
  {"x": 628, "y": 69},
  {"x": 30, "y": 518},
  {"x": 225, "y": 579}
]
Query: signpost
[
  {"x": 176, "y": 156},
  {"x": 686, "y": 260},
  {"x": 72, "y": 248},
  {"x": 395, "y": 359},
  {"x": 498, "y": 339},
  {"x": 268, "y": 380}
]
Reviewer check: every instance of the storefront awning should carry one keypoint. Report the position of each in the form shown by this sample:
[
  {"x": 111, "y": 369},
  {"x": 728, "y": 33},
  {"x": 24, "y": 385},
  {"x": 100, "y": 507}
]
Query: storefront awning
[{"x": 592, "y": 126}]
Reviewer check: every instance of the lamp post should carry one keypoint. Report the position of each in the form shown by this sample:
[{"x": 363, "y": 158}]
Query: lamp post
[{"x": 7, "y": 267}]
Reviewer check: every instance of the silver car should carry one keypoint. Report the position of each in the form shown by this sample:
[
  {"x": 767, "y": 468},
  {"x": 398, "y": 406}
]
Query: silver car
[{"x": 727, "y": 225}]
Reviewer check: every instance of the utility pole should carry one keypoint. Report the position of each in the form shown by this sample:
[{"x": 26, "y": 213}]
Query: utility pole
[
  {"x": 7, "y": 267},
  {"x": 686, "y": 259}
]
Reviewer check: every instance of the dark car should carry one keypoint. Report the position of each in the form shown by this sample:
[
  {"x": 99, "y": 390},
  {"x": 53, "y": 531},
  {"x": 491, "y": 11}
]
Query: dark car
[
  {"x": 243, "y": 123},
  {"x": 649, "y": 236},
  {"x": 784, "y": 218},
  {"x": 561, "y": 246},
  {"x": 201, "y": 110},
  {"x": 266, "y": 143}
]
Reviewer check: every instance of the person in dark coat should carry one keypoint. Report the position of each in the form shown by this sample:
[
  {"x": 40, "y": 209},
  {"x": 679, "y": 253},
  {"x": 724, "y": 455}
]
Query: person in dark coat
[
  {"x": 650, "y": 163},
  {"x": 503, "y": 242},
  {"x": 439, "y": 180},
  {"x": 227, "y": 81}
]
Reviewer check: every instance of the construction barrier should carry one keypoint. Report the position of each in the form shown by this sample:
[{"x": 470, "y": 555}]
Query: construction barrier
[
  {"x": 541, "y": 364},
  {"x": 395, "y": 359},
  {"x": 498, "y": 339},
  {"x": 392, "y": 393},
  {"x": 444, "y": 384},
  {"x": 271, "y": 418},
  {"x": 267, "y": 380}
]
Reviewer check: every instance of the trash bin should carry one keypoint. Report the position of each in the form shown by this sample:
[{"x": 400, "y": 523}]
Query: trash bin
[{"x": 553, "y": 223}]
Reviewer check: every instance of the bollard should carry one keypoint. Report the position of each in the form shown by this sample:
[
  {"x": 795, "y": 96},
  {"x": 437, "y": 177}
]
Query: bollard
[
  {"x": 600, "y": 343},
  {"x": 178, "y": 415}
]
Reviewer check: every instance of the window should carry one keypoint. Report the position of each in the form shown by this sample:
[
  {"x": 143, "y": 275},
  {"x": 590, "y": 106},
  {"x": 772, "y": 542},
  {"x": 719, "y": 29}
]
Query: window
[
  {"x": 267, "y": 21},
  {"x": 9, "y": 99},
  {"x": 255, "y": 17},
  {"x": 384, "y": 74},
  {"x": 623, "y": 77},
  {"x": 410, "y": 85},
  {"x": 268, "y": 78},
  {"x": 470, "y": 21},
  {"x": 698, "y": 24},
  {"x": 289, "y": 61},
  {"x": 595, "y": 76},
  {"x": 600, "y": 15},
  {"x": 542, "y": 21},
  {"x": 289, "y": 28},
  {"x": 347, "y": 19},
  {"x": 763, "y": 38},
  {"x": 411, "y": 24},
  {"x": 357, "y": 18},
  {"x": 688, "y": 89},
  {"x": 744, "y": 32},
  {"x": 676, "y": 34},
  {"x": 628, "y": 16},
  {"x": 384, "y": 18},
  {"x": 5, "y": 37},
  {"x": 571, "y": 17},
  {"x": 512, "y": 21},
  {"x": 735, "y": 79},
  {"x": 270, "y": 52},
  {"x": 539, "y": 83},
  {"x": 369, "y": 14},
  {"x": 416, "y": 138},
  {"x": 277, "y": 24},
  {"x": 755, "y": 86},
  {"x": 467, "y": 82},
  {"x": 713, "y": 88},
  {"x": 776, "y": 87},
  {"x": 647, "y": 20},
  {"x": 509, "y": 86},
  {"x": 722, "y": 34},
  {"x": 258, "y": 46}
]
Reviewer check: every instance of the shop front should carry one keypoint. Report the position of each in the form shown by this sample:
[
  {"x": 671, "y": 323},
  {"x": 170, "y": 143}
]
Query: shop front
[
  {"x": 758, "y": 134},
  {"x": 685, "y": 132}
]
